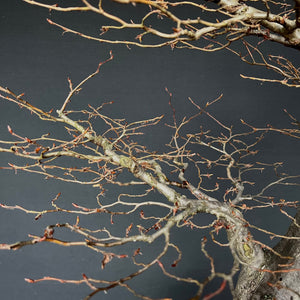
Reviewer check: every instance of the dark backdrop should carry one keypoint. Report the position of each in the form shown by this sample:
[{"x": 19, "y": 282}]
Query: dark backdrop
[{"x": 36, "y": 58}]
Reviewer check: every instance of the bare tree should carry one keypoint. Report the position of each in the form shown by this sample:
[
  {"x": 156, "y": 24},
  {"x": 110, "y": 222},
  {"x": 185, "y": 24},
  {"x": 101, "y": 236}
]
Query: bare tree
[
  {"x": 218, "y": 181},
  {"x": 215, "y": 25}
]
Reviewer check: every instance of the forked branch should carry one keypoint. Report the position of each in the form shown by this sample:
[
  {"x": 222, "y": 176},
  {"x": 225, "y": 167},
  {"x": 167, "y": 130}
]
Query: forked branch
[{"x": 105, "y": 155}]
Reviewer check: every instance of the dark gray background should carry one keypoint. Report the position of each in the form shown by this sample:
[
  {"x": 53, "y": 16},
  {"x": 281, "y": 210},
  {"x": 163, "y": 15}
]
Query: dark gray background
[{"x": 36, "y": 58}]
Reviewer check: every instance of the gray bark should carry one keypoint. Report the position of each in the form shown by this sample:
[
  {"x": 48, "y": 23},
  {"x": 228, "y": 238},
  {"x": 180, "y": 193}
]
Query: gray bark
[{"x": 284, "y": 282}]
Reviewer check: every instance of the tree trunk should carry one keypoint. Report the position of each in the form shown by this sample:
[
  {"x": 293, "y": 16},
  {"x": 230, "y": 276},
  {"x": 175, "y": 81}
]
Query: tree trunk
[{"x": 281, "y": 279}]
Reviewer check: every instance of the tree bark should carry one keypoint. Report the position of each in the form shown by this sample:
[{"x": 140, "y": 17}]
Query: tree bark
[{"x": 280, "y": 276}]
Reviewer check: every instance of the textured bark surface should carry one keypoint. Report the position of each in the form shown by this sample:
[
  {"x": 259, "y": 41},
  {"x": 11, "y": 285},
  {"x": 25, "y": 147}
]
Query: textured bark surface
[
  {"x": 284, "y": 283},
  {"x": 279, "y": 275}
]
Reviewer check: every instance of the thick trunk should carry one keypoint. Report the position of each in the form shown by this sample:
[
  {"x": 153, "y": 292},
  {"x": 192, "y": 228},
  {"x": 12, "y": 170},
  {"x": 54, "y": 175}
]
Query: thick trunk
[{"x": 280, "y": 278}]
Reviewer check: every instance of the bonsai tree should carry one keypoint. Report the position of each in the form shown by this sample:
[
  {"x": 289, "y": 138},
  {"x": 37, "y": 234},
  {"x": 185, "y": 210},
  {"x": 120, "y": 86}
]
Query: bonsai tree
[{"x": 203, "y": 171}]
